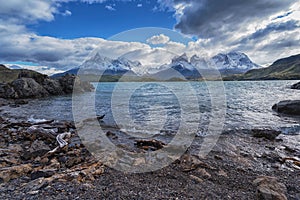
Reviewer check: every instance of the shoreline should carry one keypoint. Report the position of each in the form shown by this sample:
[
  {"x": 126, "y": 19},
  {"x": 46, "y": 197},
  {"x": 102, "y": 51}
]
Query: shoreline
[{"x": 241, "y": 166}]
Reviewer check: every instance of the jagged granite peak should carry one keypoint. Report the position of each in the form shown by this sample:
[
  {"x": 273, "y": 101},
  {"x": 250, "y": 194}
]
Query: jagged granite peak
[
  {"x": 234, "y": 61},
  {"x": 102, "y": 63},
  {"x": 182, "y": 58}
]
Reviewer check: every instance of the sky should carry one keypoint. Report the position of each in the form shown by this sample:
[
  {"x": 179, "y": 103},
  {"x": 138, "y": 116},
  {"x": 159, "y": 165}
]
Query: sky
[{"x": 55, "y": 35}]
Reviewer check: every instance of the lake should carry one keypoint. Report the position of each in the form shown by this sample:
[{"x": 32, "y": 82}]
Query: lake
[{"x": 161, "y": 108}]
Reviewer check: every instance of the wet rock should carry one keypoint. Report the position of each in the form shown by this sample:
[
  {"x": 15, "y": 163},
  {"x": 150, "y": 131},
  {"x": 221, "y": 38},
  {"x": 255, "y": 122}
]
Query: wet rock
[
  {"x": 265, "y": 133},
  {"x": 269, "y": 189},
  {"x": 289, "y": 107},
  {"x": 149, "y": 144},
  {"x": 296, "y": 86},
  {"x": 21, "y": 101}
]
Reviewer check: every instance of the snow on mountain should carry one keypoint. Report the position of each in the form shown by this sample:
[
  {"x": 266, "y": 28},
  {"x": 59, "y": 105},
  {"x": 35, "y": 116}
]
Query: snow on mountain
[
  {"x": 151, "y": 60},
  {"x": 231, "y": 63},
  {"x": 110, "y": 66},
  {"x": 180, "y": 67},
  {"x": 234, "y": 61},
  {"x": 147, "y": 62},
  {"x": 182, "y": 62}
]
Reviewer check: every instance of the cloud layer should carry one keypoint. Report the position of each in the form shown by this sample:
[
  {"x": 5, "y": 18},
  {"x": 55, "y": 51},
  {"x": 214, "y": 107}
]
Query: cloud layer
[{"x": 264, "y": 29}]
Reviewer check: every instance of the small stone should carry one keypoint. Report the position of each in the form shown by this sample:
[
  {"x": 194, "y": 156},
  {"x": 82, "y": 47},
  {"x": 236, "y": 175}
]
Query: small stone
[
  {"x": 203, "y": 173},
  {"x": 222, "y": 173},
  {"x": 42, "y": 173},
  {"x": 44, "y": 160},
  {"x": 218, "y": 157},
  {"x": 33, "y": 192},
  {"x": 196, "y": 178}
]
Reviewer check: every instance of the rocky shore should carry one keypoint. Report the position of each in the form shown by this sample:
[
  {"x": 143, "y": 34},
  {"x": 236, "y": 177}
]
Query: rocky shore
[
  {"x": 23, "y": 84},
  {"x": 47, "y": 160}
]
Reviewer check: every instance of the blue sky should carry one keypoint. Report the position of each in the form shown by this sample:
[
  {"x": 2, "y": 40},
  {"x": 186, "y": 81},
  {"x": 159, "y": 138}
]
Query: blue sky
[
  {"x": 60, "y": 34},
  {"x": 96, "y": 20}
]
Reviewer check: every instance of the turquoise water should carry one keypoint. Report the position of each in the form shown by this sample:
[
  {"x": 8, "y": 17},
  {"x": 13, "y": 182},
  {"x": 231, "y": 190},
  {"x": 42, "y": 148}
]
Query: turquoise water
[{"x": 159, "y": 108}]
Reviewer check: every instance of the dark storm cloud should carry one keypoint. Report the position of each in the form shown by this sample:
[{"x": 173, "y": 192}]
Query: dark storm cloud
[
  {"x": 261, "y": 34},
  {"x": 276, "y": 27},
  {"x": 211, "y": 18}
]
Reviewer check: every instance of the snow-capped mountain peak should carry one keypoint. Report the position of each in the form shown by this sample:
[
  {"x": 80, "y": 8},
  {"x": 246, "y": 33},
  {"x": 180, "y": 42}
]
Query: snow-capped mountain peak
[{"x": 234, "y": 61}]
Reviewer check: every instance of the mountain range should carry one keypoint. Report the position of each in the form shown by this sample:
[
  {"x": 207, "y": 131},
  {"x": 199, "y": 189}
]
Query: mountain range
[{"x": 181, "y": 67}]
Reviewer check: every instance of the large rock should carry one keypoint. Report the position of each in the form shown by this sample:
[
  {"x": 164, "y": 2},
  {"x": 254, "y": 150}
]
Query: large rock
[
  {"x": 265, "y": 133},
  {"x": 296, "y": 86},
  {"x": 7, "y": 91},
  {"x": 71, "y": 83},
  {"x": 53, "y": 87},
  {"x": 288, "y": 107},
  {"x": 28, "y": 88},
  {"x": 269, "y": 189},
  {"x": 30, "y": 84},
  {"x": 38, "y": 77}
]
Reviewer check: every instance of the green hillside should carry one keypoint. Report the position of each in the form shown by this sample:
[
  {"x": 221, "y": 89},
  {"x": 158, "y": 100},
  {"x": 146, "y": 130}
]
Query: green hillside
[
  {"x": 283, "y": 69},
  {"x": 8, "y": 75}
]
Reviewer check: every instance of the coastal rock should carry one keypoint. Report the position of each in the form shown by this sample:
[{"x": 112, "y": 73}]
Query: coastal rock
[
  {"x": 68, "y": 82},
  {"x": 24, "y": 84},
  {"x": 39, "y": 78},
  {"x": 28, "y": 88},
  {"x": 53, "y": 87},
  {"x": 296, "y": 86},
  {"x": 265, "y": 133},
  {"x": 269, "y": 189},
  {"x": 6, "y": 91},
  {"x": 289, "y": 107}
]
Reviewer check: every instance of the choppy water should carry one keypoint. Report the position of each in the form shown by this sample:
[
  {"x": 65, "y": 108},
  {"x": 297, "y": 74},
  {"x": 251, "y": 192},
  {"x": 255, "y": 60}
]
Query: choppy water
[{"x": 155, "y": 108}]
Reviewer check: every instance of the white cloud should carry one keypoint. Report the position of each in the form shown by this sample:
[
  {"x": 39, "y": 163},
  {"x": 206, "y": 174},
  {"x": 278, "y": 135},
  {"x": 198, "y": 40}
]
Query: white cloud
[
  {"x": 110, "y": 7},
  {"x": 158, "y": 39},
  {"x": 139, "y": 5},
  {"x": 67, "y": 13},
  {"x": 29, "y": 10}
]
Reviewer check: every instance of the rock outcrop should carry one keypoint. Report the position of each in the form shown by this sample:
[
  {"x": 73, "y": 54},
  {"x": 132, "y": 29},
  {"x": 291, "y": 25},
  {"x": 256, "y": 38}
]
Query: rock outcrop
[
  {"x": 296, "y": 86},
  {"x": 36, "y": 85},
  {"x": 289, "y": 107}
]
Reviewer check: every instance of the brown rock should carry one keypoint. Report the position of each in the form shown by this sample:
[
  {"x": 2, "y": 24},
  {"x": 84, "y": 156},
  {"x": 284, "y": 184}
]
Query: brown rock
[
  {"x": 269, "y": 189},
  {"x": 6, "y": 174},
  {"x": 203, "y": 173},
  {"x": 196, "y": 178},
  {"x": 149, "y": 144}
]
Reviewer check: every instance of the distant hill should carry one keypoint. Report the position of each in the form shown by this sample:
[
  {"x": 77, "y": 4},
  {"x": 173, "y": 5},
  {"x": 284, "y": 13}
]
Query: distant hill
[
  {"x": 282, "y": 69},
  {"x": 8, "y": 75}
]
